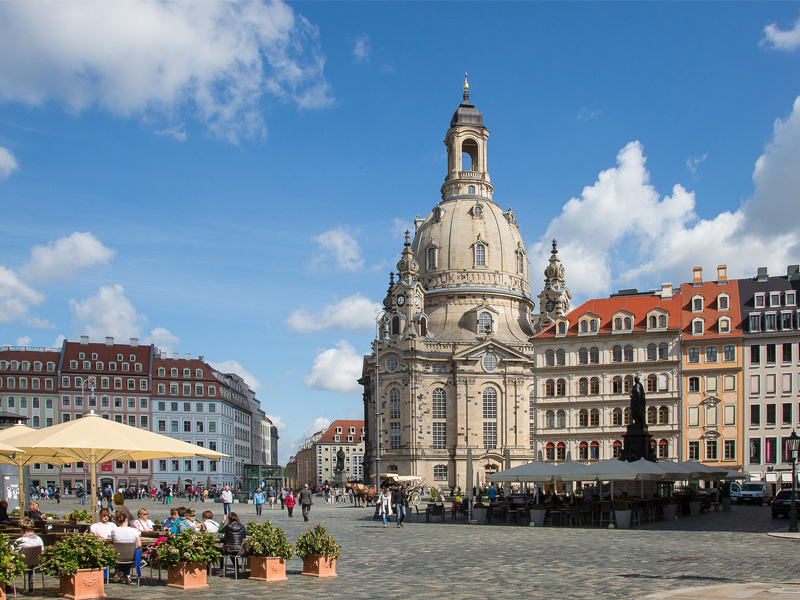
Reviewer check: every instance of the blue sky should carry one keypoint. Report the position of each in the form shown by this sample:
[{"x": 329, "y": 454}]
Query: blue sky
[{"x": 233, "y": 179}]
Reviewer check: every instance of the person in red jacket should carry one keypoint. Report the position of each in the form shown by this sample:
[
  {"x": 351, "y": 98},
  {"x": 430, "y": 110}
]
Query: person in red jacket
[{"x": 290, "y": 501}]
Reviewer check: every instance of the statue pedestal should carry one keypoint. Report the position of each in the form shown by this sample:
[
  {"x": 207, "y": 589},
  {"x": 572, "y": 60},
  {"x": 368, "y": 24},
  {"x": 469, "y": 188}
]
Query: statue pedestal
[
  {"x": 339, "y": 479},
  {"x": 636, "y": 443}
]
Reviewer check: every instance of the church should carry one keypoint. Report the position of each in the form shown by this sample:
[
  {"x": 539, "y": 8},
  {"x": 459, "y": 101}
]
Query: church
[{"x": 451, "y": 373}]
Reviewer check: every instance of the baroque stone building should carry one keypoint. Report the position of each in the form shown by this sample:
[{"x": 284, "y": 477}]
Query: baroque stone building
[{"x": 453, "y": 369}]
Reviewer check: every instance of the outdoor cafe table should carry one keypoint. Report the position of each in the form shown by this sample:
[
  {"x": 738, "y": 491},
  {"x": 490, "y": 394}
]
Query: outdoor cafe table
[{"x": 68, "y": 526}]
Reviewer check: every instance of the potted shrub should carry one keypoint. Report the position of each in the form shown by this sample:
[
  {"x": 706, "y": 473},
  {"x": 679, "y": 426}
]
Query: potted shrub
[
  {"x": 11, "y": 565},
  {"x": 479, "y": 511},
  {"x": 78, "y": 516},
  {"x": 267, "y": 551},
  {"x": 695, "y": 505},
  {"x": 319, "y": 552},
  {"x": 725, "y": 496},
  {"x": 538, "y": 514},
  {"x": 670, "y": 509},
  {"x": 187, "y": 556},
  {"x": 622, "y": 514},
  {"x": 78, "y": 560}
]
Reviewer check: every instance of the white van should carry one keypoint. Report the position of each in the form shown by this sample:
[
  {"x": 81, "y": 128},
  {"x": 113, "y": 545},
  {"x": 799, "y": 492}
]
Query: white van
[{"x": 752, "y": 492}]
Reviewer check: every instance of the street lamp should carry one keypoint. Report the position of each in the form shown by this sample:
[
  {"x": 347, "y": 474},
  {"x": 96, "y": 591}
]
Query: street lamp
[
  {"x": 382, "y": 318},
  {"x": 87, "y": 495},
  {"x": 793, "y": 443}
]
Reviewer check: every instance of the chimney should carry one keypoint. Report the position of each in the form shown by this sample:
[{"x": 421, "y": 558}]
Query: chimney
[
  {"x": 163, "y": 354},
  {"x": 109, "y": 340},
  {"x": 134, "y": 342},
  {"x": 697, "y": 276},
  {"x": 188, "y": 356},
  {"x": 174, "y": 356},
  {"x": 201, "y": 358},
  {"x": 666, "y": 291},
  {"x": 722, "y": 274},
  {"x": 84, "y": 340},
  {"x": 793, "y": 272},
  {"x": 762, "y": 274}
]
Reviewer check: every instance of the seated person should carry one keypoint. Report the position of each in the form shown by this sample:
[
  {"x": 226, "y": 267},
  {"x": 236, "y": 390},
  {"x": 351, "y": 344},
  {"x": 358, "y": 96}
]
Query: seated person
[
  {"x": 125, "y": 534},
  {"x": 28, "y": 539},
  {"x": 181, "y": 517},
  {"x": 119, "y": 507},
  {"x": 173, "y": 516},
  {"x": 188, "y": 523},
  {"x": 104, "y": 526},
  {"x": 209, "y": 525},
  {"x": 34, "y": 512},
  {"x": 233, "y": 533},
  {"x": 4, "y": 518},
  {"x": 142, "y": 523}
]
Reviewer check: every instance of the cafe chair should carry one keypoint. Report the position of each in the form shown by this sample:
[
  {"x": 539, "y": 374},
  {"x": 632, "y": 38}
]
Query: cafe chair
[
  {"x": 30, "y": 556},
  {"x": 126, "y": 555}
]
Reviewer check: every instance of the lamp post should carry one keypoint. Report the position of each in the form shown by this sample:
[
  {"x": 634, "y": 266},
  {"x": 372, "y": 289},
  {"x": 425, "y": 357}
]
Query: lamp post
[
  {"x": 380, "y": 319},
  {"x": 87, "y": 495},
  {"x": 793, "y": 442}
]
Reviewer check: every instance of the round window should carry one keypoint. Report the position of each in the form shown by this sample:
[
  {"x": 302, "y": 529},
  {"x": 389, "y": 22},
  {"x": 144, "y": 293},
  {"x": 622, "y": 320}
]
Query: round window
[
  {"x": 392, "y": 363},
  {"x": 489, "y": 361}
]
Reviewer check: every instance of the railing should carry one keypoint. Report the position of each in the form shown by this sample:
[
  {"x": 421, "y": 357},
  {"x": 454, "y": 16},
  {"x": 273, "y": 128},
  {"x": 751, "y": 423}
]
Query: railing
[{"x": 471, "y": 175}]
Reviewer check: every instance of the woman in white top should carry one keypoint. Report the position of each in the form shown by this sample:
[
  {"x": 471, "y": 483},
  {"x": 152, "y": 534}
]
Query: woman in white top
[
  {"x": 104, "y": 526},
  {"x": 385, "y": 504},
  {"x": 28, "y": 539},
  {"x": 209, "y": 525},
  {"x": 142, "y": 523},
  {"x": 125, "y": 534}
]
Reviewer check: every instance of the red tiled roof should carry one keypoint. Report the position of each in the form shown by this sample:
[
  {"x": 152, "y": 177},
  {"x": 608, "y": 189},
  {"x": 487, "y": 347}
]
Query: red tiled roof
[
  {"x": 327, "y": 437},
  {"x": 709, "y": 290},
  {"x": 107, "y": 354}
]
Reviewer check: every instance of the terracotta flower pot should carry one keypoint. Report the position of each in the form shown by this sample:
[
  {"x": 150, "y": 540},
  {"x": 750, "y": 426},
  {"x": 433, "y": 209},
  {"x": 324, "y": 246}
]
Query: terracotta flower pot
[
  {"x": 2, "y": 590},
  {"x": 317, "y": 565},
  {"x": 86, "y": 583},
  {"x": 187, "y": 576},
  {"x": 267, "y": 568}
]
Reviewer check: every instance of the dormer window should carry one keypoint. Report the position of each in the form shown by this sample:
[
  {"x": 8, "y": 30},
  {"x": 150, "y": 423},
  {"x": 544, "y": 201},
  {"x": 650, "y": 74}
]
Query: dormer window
[
  {"x": 431, "y": 259},
  {"x": 480, "y": 255},
  {"x": 724, "y": 325},
  {"x": 477, "y": 211},
  {"x": 562, "y": 328},
  {"x": 697, "y": 327},
  {"x": 485, "y": 322},
  {"x": 697, "y": 304},
  {"x": 759, "y": 300},
  {"x": 775, "y": 299},
  {"x": 520, "y": 262},
  {"x": 790, "y": 299},
  {"x": 722, "y": 302}
]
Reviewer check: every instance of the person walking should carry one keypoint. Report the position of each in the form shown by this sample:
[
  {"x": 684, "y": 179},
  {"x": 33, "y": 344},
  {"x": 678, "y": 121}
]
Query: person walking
[
  {"x": 258, "y": 500},
  {"x": 108, "y": 494},
  {"x": 399, "y": 504},
  {"x": 271, "y": 497},
  {"x": 306, "y": 500},
  {"x": 282, "y": 497},
  {"x": 227, "y": 500},
  {"x": 290, "y": 501},
  {"x": 385, "y": 505}
]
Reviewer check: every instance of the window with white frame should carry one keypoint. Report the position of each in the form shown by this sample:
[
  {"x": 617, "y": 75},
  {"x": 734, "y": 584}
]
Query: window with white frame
[
  {"x": 485, "y": 322},
  {"x": 697, "y": 327},
  {"x": 440, "y": 472}
]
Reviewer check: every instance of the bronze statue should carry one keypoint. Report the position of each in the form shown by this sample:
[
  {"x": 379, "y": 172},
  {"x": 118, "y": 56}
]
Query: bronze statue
[
  {"x": 638, "y": 403},
  {"x": 339, "y": 460}
]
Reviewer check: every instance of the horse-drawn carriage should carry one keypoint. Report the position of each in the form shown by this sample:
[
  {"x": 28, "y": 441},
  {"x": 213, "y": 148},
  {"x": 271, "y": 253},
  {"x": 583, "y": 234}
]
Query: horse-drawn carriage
[{"x": 364, "y": 495}]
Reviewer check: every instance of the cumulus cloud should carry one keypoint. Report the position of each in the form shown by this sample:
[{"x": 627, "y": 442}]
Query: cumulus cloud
[
  {"x": 162, "y": 339},
  {"x": 40, "y": 323},
  {"x": 780, "y": 39},
  {"x": 59, "y": 341},
  {"x": 339, "y": 249},
  {"x": 176, "y": 131},
  {"x": 587, "y": 115},
  {"x": 24, "y": 341},
  {"x": 355, "y": 313},
  {"x": 232, "y": 366},
  {"x": 695, "y": 161},
  {"x": 215, "y": 61},
  {"x": 64, "y": 257},
  {"x": 336, "y": 370},
  {"x": 16, "y": 297},
  {"x": 8, "y": 164},
  {"x": 362, "y": 51},
  {"x": 109, "y": 313},
  {"x": 319, "y": 424},
  {"x": 621, "y": 231}
]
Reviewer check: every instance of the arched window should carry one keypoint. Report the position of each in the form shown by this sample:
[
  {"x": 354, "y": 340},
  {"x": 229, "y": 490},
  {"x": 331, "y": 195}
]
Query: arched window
[
  {"x": 583, "y": 418},
  {"x": 652, "y": 322},
  {"x": 561, "y": 356},
  {"x": 550, "y": 451},
  {"x": 470, "y": 189},
  {"x": 431, "y": 259},
  {"x": 652, "y": 383},
  {"x": 440, "y": 472},
  {"x": 594, "y": 356},
  {"x": 628, "y": 353},
  {"x": 485, "y": 322},
  {"x": 663, "y": 415},
  {"x": 561, "y": 419},
  {"x": 616, "y": 417},
  {"x": 394, "y": 403},
  {"x": 520, "y": 263},
  {"x": 423, "y": 327},
  {"x": 550, "y": 358},
  {"x": 616, "y": 354},
  {"x": 652, "y": 350},
  {"x": 627, "y": 383},
  {"x": 663, "y": 449},
  {"x": 594, "y": 451},
  {"x": 617, "y": 324},
  {"x": 663, "y": 351},
  {"x": 593, "y": 325},
  {"x": 662, "y": 321},
  {"x": 490, "y": 403},
  {"x": 549, "y": 388},
  {"x": 439, "y": 408},
  {"x": 583, "y": 451},
  {"x": 561, "y": 451},
  {"x": 594, "y": 386},
  {"x": 628, "y": 323},
  {"x": 652, "y": 415},
  {"x": 550, "y": 419},
  {"x": 584, "y": 326},
  {"x": 616, "y": 449},
  {"x": 594, "y": 418},
  {"x": 396, "y": 325},
  {"x": 562, "y": 328},
  {"x": 561, "y": 387},
  {"x": 162, "y": 372},
  {"x": 616, "y": 385},
  {"x": 663, "y": 382},
  {"x": 36, "y": 421},
  {"x": 583, "y": 386},
  {"x": 583, "y": 355},
  {"x": 480, "y": 254}
]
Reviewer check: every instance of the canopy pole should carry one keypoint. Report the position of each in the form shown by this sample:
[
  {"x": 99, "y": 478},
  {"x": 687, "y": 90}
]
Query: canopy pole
[
  {"x": 92, "y": 483},
  {"x": 22, "y": 491}
]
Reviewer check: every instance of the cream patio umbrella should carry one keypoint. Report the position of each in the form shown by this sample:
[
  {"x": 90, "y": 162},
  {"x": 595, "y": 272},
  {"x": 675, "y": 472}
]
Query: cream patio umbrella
[{"x": 94, "y": 440}]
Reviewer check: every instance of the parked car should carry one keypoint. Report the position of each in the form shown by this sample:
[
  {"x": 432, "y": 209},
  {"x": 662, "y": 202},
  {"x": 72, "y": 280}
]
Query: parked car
[
  {"x": 736, "y": 490},
  {"x": 782, "y": 503},
  {"x": 754, "y": 492}
]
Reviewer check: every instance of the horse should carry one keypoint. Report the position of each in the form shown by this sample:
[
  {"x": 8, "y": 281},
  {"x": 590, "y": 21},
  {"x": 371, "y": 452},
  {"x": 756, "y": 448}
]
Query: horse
[{"x": 363, "y": 494}]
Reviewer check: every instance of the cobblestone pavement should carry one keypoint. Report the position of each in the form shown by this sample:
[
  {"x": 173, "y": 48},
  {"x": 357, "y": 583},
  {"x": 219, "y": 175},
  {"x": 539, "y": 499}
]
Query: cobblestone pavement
[{"x": 508, "y": 561}]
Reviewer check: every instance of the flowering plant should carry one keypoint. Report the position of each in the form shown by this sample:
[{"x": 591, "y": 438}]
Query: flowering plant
[
  {"x": 189, "y": 546},
  {"x": 265, "y": 540},
  {"x": 76, "y": 516},
  {"x": 77, "y": 551},
  {"x": 317, "y": 541},
  {"x": 11, "y": 565}
]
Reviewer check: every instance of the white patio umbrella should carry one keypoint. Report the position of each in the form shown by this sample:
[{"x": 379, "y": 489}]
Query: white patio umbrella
[
  {"x": 528, "y": 473},
  {"x": 675, "y": 471},
  {"x": 735, "y": 475},
  {"x": 703, "y": 471},
  {"x": 95, "y": 440}
]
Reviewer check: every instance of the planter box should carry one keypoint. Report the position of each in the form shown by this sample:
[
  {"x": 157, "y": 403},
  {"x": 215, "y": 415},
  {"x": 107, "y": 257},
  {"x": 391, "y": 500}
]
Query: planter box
[
  {"x": 694, "y": 508},
  {"x": 537, "y": 517},
  {"x": 187, "y": 576},
  {"x": 670, "y": 512},
  {"x": 267, "y": 568},
  {"x": 317, "y": 565},
  {"x": 623, "y": 519},
  {"x": 479, "y": 515},
  {"x": 86, "y": 583}
]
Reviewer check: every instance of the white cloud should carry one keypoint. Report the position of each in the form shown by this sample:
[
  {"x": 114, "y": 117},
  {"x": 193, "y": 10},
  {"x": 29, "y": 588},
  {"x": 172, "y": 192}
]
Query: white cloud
[
  {"x": 336, "y": 369},
  {"x": 362, "y": 52},
  {"x": 64, "y": 257},
  {"x": 109, "y": 313},
  {"x": 695, "y": 161},
  {"x": 232, "y": 366},
  {"x": 399, "y": 228},
  {"x": 59, "y": 341},
  {"x": 23, "y": 341},
  {"x": 781, "y": 40},
  {"x": 162, "y": 339},
  {"x": 176, "y": 131},
  {"x": 40, "y": 323},
  {"x": 278, "y": 421},
  {"x": 355, "y": 313},
  {"x": 15, "y": 296},
  {"x": 319, "y": 424},
  {"x": 214, "y": 60},
  {"x": 621, "y": 232},
  {"x": 8, "y": 164},
  {"x": 339, "y": 248},
  {"x": 587, "y": 115}
]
